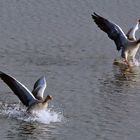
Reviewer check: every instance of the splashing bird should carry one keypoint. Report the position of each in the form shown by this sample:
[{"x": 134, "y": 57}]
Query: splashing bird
[
  {"x": 34, "y": 101},
  {"x": 128, "y": 44}
]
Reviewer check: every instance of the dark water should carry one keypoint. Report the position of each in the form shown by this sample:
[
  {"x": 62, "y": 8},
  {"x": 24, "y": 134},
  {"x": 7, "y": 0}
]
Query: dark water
[{"x": 58, "y": 39}]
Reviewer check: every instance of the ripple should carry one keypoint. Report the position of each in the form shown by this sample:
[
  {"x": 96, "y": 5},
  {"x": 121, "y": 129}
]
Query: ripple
[{"x": 133, "y": 63}]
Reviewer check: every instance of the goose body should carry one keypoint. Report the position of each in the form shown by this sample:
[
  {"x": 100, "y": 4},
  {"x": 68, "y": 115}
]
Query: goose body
[
  {"x": 33, "y": 101},
  {"x": 126, "y": 43},
  {"x": 40, "y": 105}
]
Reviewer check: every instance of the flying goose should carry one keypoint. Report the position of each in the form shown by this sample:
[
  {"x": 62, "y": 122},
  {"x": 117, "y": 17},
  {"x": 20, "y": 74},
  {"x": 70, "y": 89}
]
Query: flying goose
[
  {"x": 126, "y": 43},
  {"x": 33, "y": 101}
]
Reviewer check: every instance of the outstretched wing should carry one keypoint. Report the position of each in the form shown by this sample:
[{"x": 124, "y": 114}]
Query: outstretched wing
[
  {"x": 114, "y": 31},
  {"x": 39, "y": 88},
  {"x": 19, "y": 89},
  {"x": 131, "y": 33}
]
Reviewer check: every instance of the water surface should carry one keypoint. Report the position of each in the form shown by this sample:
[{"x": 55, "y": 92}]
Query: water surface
[{"x": 58, "y": 39}]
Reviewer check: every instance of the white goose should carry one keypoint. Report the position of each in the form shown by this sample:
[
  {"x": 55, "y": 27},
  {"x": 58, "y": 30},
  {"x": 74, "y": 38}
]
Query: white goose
[
  {"x": 126, "y": 43},
  {"x": 33, "y": 101}
]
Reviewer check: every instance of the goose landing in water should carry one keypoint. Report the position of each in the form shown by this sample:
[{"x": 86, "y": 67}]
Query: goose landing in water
[
  {"x": 33, "y": 101},
  {"x": 128, "y": 44}
]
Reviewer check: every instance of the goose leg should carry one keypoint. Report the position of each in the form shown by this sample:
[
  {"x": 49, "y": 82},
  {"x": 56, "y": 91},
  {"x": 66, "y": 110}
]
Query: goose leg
[
  {"x": 126, "y": 59},
  {"x": 127, "y": 62}
]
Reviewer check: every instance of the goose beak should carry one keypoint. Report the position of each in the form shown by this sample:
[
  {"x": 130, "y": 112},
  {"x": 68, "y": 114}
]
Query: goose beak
[{"x": 50, "y": 97}]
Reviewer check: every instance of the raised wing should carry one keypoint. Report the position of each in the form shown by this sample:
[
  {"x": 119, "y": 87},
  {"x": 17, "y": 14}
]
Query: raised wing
[
  {"x": 39, "y": 88},
  {"x": 19, "y": 89},
  {"x": 131, "y": 33},
  {"x": 114, "y": 31}
]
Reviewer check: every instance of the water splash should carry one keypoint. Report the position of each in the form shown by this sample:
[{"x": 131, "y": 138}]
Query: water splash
[{"x": 15, "y": 111}]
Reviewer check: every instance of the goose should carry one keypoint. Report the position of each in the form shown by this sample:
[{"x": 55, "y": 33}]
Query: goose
[
  {"x": 34, "y": 101},
  {"x": 126, "y": 43}
]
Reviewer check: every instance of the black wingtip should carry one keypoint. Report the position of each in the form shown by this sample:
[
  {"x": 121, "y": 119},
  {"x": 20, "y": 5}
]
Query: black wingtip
[
  {"x": 1, "y": 74},
  {"x": 94, "y": 15}
]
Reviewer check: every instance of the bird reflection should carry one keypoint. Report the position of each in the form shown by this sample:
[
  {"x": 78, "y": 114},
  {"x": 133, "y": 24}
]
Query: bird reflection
[
  {"x": 27, "y": 129},
  {"x": 122, "y": 73},
  {"x": 118, "y": 91},
  {"x": 32, "y": 131}
]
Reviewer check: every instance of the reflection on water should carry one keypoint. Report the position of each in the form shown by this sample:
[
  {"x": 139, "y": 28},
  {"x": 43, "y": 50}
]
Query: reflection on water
[
  {"x": 117, "y": 101},
  {"x": 126, "y": 74},
  {"x": 32, "y": 131}
]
